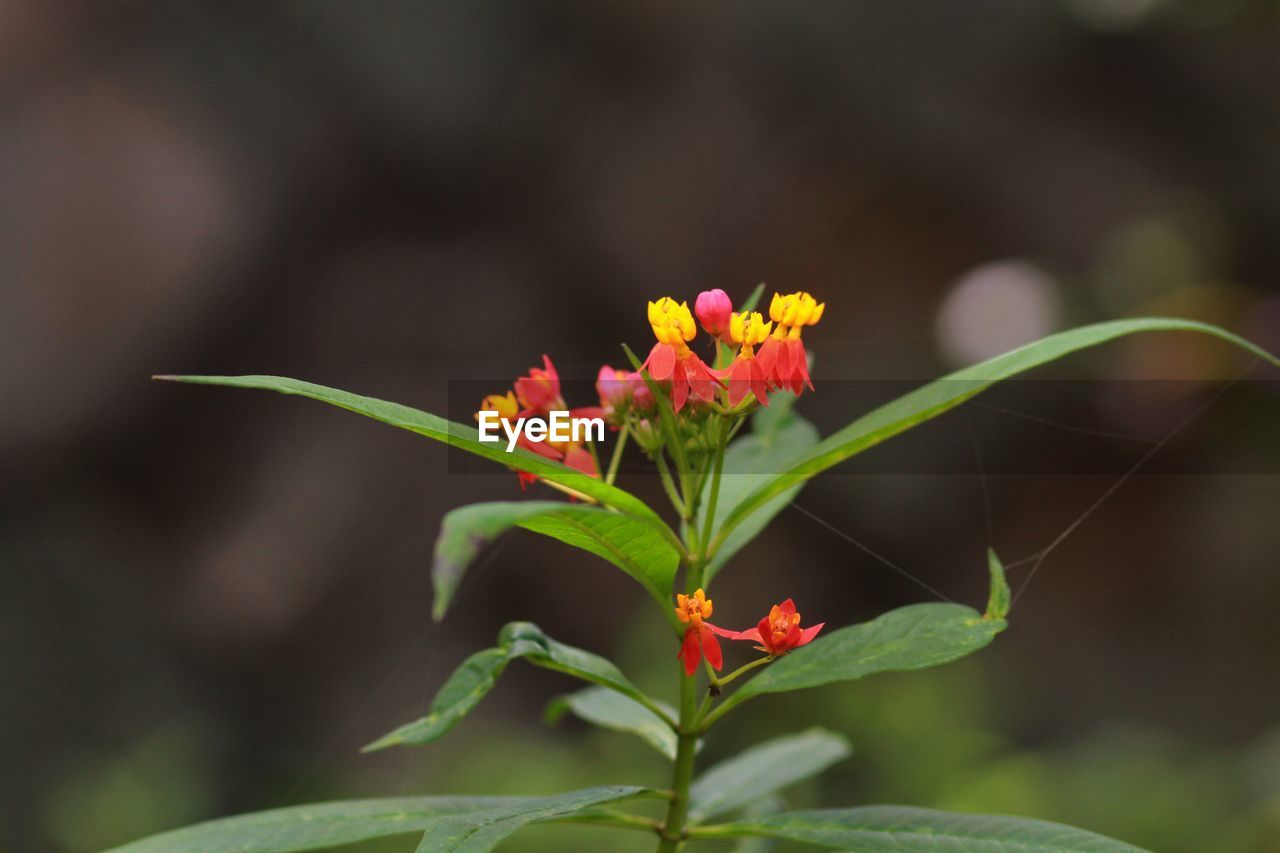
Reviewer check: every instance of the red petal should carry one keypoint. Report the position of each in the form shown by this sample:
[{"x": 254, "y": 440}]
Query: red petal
[
  {"x": 679, "y": 390},
  {"x": 661, "y": 362},
  {"x": 809, "y": 633},
  {"x": 758, "y": 384},
  {"x": 689, "y": 651},
  {"x": 788, "y": 607},
  {"x": 580, "y": 460},
  {"x": 739, "y": 380},
  {"x": 750, "y": 634},
  {"x": 587, "y": 412},
  {"x": 711, "y": 648}
]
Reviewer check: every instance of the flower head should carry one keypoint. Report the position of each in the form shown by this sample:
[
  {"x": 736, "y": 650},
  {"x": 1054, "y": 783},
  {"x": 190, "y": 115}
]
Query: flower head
[
  {"x": 700, "y": 637},
  {"x": 540, "y": 391},
  {"x": 745, "y": 372},
  {"x": 671, "y": 360},
  {"x": 782, "y": 357},
  {"x": 714, "y": 309},
  {"x": 777, "y": 633}
]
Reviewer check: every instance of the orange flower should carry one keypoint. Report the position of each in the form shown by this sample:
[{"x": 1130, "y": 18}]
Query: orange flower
[
  {"x": 700, "y": 637},
  {"x": 777, "y": 633}
]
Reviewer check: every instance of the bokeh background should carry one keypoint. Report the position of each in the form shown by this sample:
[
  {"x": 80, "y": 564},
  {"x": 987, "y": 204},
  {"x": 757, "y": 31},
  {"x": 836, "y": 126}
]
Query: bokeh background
[{"x": 211, "y": 599}]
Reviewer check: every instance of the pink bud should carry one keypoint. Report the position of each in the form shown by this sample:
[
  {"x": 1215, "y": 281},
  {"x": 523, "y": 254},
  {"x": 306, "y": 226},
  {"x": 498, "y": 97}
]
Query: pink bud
[
  {"x": 613, "y": 387},
  {"x": 713, "y": 309},
  {"x": 641, "y": 396}
]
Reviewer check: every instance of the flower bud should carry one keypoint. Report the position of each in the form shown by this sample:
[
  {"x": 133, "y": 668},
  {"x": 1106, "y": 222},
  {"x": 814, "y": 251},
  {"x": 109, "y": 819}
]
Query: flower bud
[
  {"x": 613, "y": 387},
  {"x": 641, "y": 396},
  {"x": 714, "y": 310}
]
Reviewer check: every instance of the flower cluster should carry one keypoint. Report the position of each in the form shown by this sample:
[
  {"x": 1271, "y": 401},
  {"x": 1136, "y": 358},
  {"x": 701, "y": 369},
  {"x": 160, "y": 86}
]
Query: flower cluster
[
  {"x": 749, "y": 358},
  {"x": 775, "y": 634},
  {"x": 538, "y": 394}
]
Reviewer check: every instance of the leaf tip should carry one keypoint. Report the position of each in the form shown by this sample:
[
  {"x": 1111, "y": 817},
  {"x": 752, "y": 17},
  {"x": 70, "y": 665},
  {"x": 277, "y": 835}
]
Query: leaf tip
[{"x": 998, "y": 600}]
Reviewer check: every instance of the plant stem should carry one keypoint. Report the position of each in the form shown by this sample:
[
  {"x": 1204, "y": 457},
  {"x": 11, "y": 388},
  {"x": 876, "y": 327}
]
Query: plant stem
[
  {"x": 716, "y": 472},
  {"x": 616, "y": 459},
  {"x": 667, "y": 483}
]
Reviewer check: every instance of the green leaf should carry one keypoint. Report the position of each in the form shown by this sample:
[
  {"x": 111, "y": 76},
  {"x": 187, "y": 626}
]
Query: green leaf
[
  {"x": 998, "y": 601},
  {"x": 611, "y": 710},
  {"x": 630, "y": 544},
  {"x": 472, "y": 681},
  {"x": 752, "y": 300},
  {"x": 778, "y": 436},
  {"x": 454, "y": 434},
  {"x": 903, "y": 828},
  {"x": 474, "y": 832},
  {"x": 763, "y": 770},
  {"x": 914, "y": 637},
  {"x": 939, "y": 396},
  {"x": 315, "y": 826}
]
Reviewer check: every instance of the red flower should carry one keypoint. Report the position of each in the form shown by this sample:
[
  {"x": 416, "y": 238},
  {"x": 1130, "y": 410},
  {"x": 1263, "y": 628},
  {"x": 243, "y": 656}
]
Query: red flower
[
  {"x": 671, "y": 360},
  {"x": 782, "y": 356},
  {"x": 745, "y": 373},
  {"x": 777, "y": 633},
  {"x": 700, "y": 637},
  {"x": 540, "y": 390}
]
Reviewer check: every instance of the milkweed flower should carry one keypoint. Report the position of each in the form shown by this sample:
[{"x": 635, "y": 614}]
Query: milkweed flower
[
  {"x": 700, "y": 637},
  {"x": 714, "y": 310},
  {"x": 782, "y": 356},
  {"x": 538, "y": 394},
  {"x": 745, "y": 373},
  {"x": 671, "y": 360},
  {"x": 777, "y": 633}
]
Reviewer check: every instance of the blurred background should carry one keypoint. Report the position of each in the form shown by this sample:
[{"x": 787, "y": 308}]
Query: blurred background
[{"x": 211, "y": 599}]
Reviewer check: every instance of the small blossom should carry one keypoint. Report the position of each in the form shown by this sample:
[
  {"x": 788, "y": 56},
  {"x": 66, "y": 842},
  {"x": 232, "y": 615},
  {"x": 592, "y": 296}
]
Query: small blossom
[
  {"x": 714, "y": 309},
  {"x": 540, "y": 391},
  {"x": 777, "y": 633},
  {"x": 671, "y": 360},
  {"x": 538, "y": 394},
  {"x": 782, "y": 356},
  {"x": 700, "y": 637},
  {"x": 745, "y": 373}
]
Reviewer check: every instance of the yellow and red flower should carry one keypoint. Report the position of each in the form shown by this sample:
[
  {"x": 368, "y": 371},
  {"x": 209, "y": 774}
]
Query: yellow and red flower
[
  {"x": 671, "y": 360},
  {"x": 700, "y": 637},
  {"x": 745, "y": 373},
  {"x": 777, "y": 633},
  {"x": 538, "y": 394},
  {"x": 782, "y": 356}
]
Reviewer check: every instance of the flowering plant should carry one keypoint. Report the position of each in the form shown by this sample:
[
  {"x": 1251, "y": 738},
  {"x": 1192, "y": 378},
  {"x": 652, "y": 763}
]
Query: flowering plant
[{"x": 682, "y": 407}]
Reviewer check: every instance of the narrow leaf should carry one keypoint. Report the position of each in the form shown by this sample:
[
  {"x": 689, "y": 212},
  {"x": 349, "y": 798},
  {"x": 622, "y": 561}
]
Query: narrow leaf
[
  {"x": 313, "y": 827},
  {"x": 454, "y": 434},
  {"x": 763, "y": 770},
  {"x": 461, "y": 692},
  {"x": 778, "y": 437},
  {"x": 911, "y": 829},
  {"x": 472, "y": 681},
  {"x": 632, "y": 545},
  {"x": 610, "y": 710},
  {"x": 944, "y": 394},
  {"x": 478, "y": 831},
  {"x": 914, "y": 637}
]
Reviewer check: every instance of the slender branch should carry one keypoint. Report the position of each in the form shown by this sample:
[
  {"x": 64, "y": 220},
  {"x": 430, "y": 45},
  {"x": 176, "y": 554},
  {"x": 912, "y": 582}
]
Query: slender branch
[
  {"x": 668, "y": 483},
  {"x": 716, "y": 474},
  {"x": 616, "y": 459}
]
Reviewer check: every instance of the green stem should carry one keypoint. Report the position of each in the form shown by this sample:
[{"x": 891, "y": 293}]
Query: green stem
[
  {"x": 667, "y": 483},
  {"x": 616, "y": 459},
  {"x": 716, "y": 472}
]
